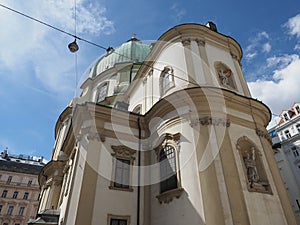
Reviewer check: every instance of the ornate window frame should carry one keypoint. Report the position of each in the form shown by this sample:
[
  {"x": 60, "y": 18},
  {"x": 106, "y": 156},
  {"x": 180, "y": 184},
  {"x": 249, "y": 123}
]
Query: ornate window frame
[
  {"x": 121, "y": 152},
  {"x": 166, "y": 80},
  {"x": 225, "y": 75},
  {"x": 253, "y": 166},
  {"x": 172, "y": 140}
]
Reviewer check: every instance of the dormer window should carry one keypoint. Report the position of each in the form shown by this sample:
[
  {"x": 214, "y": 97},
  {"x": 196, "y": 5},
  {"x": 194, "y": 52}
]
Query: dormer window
[
  {"x": 102, "y": 92},
  {"x": 286, "y": 117},
  {"x": 297, "y": 109}
]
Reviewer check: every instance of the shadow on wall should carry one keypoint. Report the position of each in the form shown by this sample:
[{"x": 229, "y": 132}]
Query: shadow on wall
[{"x": 177, "y": 212}]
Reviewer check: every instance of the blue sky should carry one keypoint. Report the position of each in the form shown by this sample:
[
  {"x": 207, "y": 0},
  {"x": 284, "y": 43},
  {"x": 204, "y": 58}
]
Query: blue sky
[{"x": 38, "y": 73}]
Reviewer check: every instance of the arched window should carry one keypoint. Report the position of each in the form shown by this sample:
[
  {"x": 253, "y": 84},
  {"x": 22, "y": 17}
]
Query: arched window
[
  {"x": 166, "y": 80},
  {"x": 169, "y": 172},
  {"x": 102, "y": 92},
  {"x": 167, "y": 163},
  {"x": 225, "y": 75},
  {"x": 137, "y": 109}
]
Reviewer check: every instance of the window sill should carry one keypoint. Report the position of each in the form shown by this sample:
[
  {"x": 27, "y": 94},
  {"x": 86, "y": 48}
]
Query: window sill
[
  {"x": 168, "y": 196},
  {"x": 130, "y": 189}
]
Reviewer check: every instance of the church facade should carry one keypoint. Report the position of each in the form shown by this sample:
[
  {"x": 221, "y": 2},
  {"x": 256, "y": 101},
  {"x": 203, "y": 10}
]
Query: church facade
[{"x": 165, "y": 133}]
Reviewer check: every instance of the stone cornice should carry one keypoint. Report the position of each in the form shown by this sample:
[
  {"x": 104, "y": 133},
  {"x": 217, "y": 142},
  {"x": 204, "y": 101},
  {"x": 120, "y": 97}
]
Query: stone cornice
[{"x": 208, "y": 120}]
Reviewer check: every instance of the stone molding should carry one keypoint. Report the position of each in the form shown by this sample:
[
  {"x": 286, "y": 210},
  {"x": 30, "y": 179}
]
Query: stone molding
[
  {"x": 122, "y": 151},
  {"x": 168, "y": 196},
  {"x": 208, "y": 120}
]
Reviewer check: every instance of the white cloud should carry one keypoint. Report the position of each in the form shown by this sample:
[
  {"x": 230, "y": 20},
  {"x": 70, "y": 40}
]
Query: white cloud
[
  {"x": 262, "y": 35},
  {"x": 37, "y": 54},
  {"x": 280, "y": 92},
  {"x": 178, "y": 12},
  {"x": 266, "y": 47},
  {"x": 281, "y": 62},
  {"x": 258, "y": 43},
  {"x": 250, "y": 56},
  {"x": 293, "y": 25},
  {"x": 297, "y": 47}
]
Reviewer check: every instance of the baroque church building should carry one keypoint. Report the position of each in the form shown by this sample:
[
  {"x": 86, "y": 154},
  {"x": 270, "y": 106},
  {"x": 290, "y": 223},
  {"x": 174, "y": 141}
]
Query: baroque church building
[{"x": 165, "y": 133}]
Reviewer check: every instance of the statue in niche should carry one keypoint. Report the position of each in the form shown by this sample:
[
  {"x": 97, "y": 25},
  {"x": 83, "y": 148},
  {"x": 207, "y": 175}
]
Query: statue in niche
[
  {"x": 224, "y": 76},
  {"x": 250, "y": 164},
  {"x": 255, "y": 174}
]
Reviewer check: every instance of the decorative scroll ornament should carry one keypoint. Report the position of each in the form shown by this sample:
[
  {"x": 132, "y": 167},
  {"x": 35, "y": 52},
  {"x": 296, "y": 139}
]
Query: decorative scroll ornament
[
  {"x": 264, "y": 134},
  {"x": 123, "y": 152}
]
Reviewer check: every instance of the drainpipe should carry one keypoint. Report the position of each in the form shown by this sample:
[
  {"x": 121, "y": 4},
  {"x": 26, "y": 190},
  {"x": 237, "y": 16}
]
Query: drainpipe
[{"x": 139, "y": 164}]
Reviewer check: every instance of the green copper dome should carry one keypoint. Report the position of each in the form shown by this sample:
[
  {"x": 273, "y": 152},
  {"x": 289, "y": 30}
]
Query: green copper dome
[{"x": 131, "y": 51}]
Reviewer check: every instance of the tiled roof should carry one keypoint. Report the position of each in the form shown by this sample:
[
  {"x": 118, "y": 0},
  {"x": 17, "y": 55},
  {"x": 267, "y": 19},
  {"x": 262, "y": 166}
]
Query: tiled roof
[{"x": 20, "y": 167}]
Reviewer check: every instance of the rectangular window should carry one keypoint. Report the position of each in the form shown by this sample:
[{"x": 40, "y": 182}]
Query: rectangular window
[
  {"x": 25, "y": 197},
  {"x": 287, "y": 134},
  {"x": 15, "y": 195},
  {"x": 298, "y": 109},
  {"x": 296, "y": 153},
  {"x": 21, "y": 211},
  {"x": 4, "y": 193},
  {"x": 286, "y": 117},
  {"x": 0, "y": 208},
  {"x": 29, "y": 182},
  {"x": 298, "y": 127},
  {"x": 10, "y": 210},
  {"x": 122, "y": 173},
  {"x": 118, "y": 222},
  {"x": 9, "y": 179}
]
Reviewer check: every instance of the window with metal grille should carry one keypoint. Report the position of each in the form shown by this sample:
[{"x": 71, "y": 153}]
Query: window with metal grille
[
  {"x": 168, "y": 174},
  {"x": 118, "y": 222}
]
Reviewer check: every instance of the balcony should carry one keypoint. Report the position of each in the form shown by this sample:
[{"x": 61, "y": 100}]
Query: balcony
[{"x": 19, "y": 184}]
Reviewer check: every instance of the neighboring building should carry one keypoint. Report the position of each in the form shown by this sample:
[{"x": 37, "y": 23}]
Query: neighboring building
[
  {"x": 286, "y": 144},
  {"x": 165, "y": 133},
  {"x": 19, "y": 188}
]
